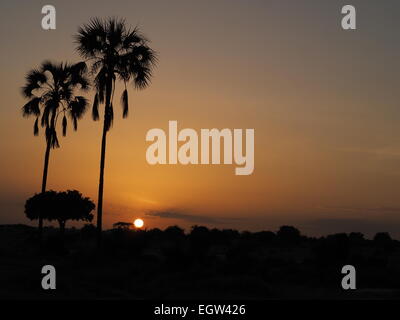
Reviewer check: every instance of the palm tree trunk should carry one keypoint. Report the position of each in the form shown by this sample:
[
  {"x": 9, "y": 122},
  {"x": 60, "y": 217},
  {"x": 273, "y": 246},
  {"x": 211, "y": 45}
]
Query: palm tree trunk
[
  {"x": 44, "y": 179},
  {"x": 102, "y": 163},
  {"x": 44, "y": 182},
  {"x": 101, "y": 185}
]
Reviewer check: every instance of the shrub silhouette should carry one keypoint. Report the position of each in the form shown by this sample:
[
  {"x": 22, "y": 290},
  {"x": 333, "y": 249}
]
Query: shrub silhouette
[
  {"x": 266, "y": 237},
  {"x": 288, "y": 235},
  {"x": 200, "y": 241},
  {"x": 168, "y": 263},
  {"x": 59, "y": 206},
  {"x": 356, "y": 237},
  {"x": 174, "y": 232},
  {"x": 382, "y": 238},
  {"x": 88, "y": 230},
  {"x": 333, "y": 250},
  {"x": 383, "y": 241}
]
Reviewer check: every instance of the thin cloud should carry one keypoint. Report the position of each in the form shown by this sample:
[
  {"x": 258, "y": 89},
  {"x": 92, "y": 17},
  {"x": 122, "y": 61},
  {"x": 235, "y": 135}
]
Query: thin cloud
[
  {"x": 388, "y": 151},
  {"x": 170, "y": 214},
  {"x": 385, "y": 209}
]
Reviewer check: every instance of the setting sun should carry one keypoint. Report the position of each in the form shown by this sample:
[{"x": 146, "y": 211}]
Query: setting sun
[{"x": 138, "y": 223}]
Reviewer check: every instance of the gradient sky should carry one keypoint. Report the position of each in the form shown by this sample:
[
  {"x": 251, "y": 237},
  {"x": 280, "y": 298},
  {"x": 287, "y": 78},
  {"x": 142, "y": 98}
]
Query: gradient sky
[{"x": 324, "y": 104}]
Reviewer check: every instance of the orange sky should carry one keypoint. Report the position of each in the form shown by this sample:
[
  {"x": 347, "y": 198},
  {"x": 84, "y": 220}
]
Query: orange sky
[{"x": 324, "y": 104}]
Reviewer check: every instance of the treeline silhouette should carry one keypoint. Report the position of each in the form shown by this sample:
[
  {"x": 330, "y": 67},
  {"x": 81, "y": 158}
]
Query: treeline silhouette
[{"x": 208, "y": 263}]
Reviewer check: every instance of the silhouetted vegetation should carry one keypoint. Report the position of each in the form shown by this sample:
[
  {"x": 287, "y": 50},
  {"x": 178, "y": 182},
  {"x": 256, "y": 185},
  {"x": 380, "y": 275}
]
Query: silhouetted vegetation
[
  {"x": 116, "y": 53},
  {"x": 59, "y": 206},
  {"x": 51, "y": 93},
  {"x": 122, "y": 225},
  {"x": 203, "y": 263}
]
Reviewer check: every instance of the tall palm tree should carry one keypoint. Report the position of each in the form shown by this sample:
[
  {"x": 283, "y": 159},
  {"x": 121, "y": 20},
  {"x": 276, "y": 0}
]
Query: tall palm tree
[
  {"x": 116, "y": 53},
  {"x": 51, "y": 93}
]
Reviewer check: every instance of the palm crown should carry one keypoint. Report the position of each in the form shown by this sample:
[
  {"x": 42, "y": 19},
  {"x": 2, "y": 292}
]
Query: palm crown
[
  {"x": 50, "y": 90},
  {"x": 116, "y": 53}
]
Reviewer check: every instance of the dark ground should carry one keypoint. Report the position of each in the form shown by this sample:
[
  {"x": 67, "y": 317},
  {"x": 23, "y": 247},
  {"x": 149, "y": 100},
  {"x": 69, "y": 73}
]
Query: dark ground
[{"x": 204, "y": 264}]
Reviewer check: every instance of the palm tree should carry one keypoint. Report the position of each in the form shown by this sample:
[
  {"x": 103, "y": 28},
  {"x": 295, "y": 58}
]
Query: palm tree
[
  {"x": 116, "y": 53},
  {"x": 50, "y": 90}
]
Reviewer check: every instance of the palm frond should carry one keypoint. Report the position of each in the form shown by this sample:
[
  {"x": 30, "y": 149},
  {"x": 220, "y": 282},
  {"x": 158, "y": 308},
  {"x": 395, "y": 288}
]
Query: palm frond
[
  {"x": 115, "y": 32},
  {"x": 100, "y": 83},
  {"x": 75, "y": 122},
  {"x": 77, "y": 108},
  {"x": 66, "y": 93},
  {"x": 124, "y": 102},
  {"x": 79, "y": 67},
  {"x": 142, "y": 77},
  {"x": 54, "y": 69},
  {"x": 81, "y": 80},
  {"x": 51, "y": 138},
  {"x": 91, "y": 38},
  {"x": 78, "y": 73},
  {"x": 96, "y": 66},
  {"x": 64, "y": 126},
  {"x": 32, "y": 107},
  {"x": 44, "y": 122},
  {"x": 34, "y": 80},
  {"x": 138, "y": 63},
  {"x": 144, "y": 55},
  {"x": 95, "y": 108},
  {"x": 36, "y": 127},
  {"x": 36, "y": 75},
  {"x": 132, "y": 37},
  {"x": 52, "y": 104}
]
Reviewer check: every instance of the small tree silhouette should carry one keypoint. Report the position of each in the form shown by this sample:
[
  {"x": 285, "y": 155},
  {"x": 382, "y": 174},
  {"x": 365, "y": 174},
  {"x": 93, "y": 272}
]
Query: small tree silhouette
[
  {"x": 288, "y": 235},
  {"x": 122, "y": 225},
  {"x": 174, "y": 232},
  {"x": 59, "y": 206},
  {"x": 384, "y": 241},
  {"x": 382, "y": 237}
]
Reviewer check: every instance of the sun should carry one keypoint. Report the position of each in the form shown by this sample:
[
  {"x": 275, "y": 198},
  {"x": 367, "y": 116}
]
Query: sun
[{"x": 138, "y": 223}]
